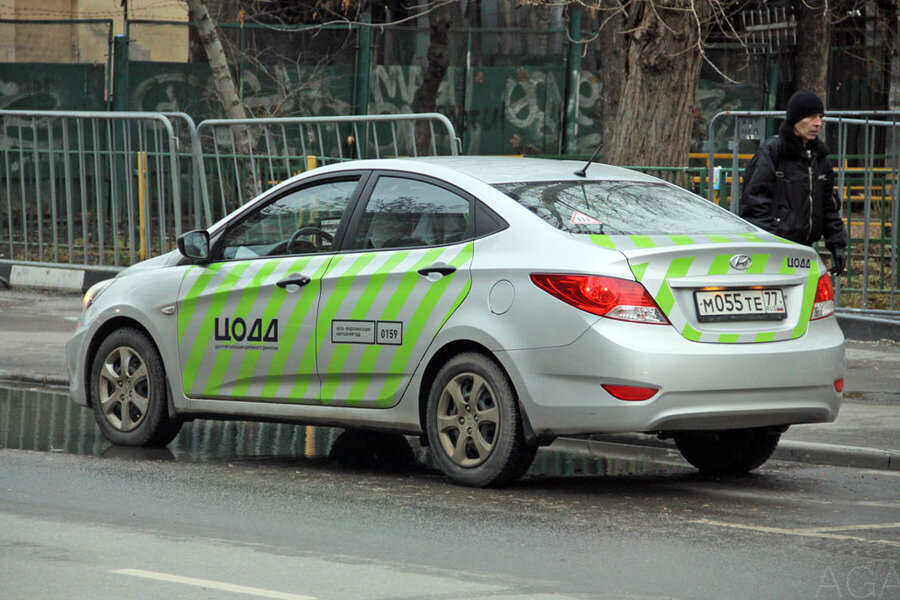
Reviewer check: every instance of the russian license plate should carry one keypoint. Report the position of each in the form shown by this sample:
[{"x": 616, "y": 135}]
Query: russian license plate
[{"x": 740, "y": 305}]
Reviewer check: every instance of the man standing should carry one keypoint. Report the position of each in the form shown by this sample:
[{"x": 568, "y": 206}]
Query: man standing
[{"x": 789, "y": 184}]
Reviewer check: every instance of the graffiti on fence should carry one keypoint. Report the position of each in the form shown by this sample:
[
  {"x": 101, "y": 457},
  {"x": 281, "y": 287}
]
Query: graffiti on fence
[{"x": 52, "y": 87}]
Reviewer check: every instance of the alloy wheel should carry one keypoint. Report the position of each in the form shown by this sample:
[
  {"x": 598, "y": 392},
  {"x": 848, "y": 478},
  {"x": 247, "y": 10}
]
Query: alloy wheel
[
  {"x": 468, "y": 419},
  {"x": 124, "y": 388}
]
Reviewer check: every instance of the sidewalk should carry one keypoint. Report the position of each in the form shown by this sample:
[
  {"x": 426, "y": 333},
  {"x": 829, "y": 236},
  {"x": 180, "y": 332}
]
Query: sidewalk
[{"x": 34, "y": 327}]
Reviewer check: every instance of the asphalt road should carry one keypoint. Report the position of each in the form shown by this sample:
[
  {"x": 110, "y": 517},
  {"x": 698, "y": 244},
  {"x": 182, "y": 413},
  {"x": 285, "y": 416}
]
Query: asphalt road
[{"x": 272, "y": 510}]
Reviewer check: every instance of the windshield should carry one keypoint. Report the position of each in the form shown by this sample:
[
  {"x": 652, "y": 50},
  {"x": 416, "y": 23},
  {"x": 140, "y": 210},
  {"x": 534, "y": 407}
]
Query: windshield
[{"x": 622, "y": 207}]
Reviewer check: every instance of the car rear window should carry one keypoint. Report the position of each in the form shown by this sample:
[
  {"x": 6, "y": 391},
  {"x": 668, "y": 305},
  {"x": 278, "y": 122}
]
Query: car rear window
[{"x": 622, "y": 207}]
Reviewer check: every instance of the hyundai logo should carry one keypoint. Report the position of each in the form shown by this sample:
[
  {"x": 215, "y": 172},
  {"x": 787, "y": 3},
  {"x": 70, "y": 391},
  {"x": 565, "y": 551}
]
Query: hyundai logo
[{"x": 741, "y": 262}]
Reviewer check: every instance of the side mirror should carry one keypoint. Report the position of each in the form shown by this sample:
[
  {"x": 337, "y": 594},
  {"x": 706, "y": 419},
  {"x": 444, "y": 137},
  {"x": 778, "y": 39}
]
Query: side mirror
[{"x": 195, "y": 245}]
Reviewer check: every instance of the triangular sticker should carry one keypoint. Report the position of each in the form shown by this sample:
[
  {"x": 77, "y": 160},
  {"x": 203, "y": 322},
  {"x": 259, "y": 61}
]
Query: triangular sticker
[{"x": 579, "y": 218}]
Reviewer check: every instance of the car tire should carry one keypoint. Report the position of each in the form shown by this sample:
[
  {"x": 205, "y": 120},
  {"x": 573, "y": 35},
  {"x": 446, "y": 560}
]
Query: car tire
[
  {"x": 129, "y": 393},
  {"x": 730, "y": 451},
  {"x": 474, "y": 424}
]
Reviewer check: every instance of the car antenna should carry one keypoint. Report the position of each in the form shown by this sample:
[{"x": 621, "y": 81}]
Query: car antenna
[{"x": 583, "y": 171}]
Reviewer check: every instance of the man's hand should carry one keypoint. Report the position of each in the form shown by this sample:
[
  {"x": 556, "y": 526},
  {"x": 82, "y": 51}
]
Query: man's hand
[{"x": 839, "y": 259}]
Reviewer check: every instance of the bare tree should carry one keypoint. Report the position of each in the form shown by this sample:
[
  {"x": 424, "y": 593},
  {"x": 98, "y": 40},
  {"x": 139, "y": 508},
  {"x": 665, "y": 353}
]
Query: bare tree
[
  {"x": 653, "y": 50},
  {"x": 425, "y": 100}
]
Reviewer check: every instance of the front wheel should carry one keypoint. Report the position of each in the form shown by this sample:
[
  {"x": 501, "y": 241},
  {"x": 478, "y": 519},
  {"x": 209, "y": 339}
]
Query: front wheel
[
  {"x": 128, "y": 391},
  {"x": 729, "y": 451},
  {"x": 474, "y": 425}
]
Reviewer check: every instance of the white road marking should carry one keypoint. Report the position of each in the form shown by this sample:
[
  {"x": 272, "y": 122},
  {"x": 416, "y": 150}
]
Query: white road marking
[
  {"x": 815, "y": 533},
  {"x": 851, "y": 527},
  {"x": 214, "y": 585}
]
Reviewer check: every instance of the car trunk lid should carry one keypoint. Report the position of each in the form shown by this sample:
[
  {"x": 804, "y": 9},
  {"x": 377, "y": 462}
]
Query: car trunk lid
[{"x": 685, "y": 272}]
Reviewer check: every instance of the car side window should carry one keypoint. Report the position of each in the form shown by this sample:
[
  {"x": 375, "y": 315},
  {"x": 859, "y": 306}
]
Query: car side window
[
  {"x": 303, "y": 221},
  {"x": 408, "y": 213}
]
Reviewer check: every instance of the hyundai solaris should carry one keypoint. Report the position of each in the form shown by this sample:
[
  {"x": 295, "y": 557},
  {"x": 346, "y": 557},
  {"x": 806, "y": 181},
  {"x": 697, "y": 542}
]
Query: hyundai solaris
[{"x": 487, "y": 304}]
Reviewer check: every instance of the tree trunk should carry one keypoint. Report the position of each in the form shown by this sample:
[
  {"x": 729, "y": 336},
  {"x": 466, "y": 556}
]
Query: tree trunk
[
  {"x": 227, "y": 92},
  {"x": 425, "y": 99},
  {"x": 889, "y": 16},
  {"x": 658, "y": 81},
  {"x": 813, "y": 44},
  {"x": 611, "y": 65}
]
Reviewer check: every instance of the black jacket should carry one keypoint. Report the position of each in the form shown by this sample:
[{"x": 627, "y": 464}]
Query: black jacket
[{"x": 791, "y": 191}]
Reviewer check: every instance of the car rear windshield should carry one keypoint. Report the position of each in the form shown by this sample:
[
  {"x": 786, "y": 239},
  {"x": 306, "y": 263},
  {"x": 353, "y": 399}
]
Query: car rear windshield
[{"x": 622, "y": 207}]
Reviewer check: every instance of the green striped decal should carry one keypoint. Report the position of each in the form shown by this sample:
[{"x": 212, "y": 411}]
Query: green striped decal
[
  {"x": 764, "y": 337},
  {"x": 309, "y": 294},
  {"x": 720, "y": 265},
  {"x": 728, "y": 338},
  {"x": 270, "y": 312},
  {"x": 404, "y": 289},
  {"x": 604, "y": 241},
  {"x": 786, "y": 270},
  {"x": 639, "y": 270},
  {"x": 205, "y": 334},
  {"x": 400, "y": 362},
  {"x": 678, "y": 268},
  {"x": 328, "y": 312},
  {"x": 758, "y": 263},
  {"x": 360, "y": 311},
  {"x": 681, "y": 240},
  {"x": 248, "y": 298},
  {"x": 691, "y": 333},
  {"x": 308, "y": 358},
  {"x": 462, "y": 296},
  {"x": 190, "y": 299},
  {"x": 642, "y": 241},
  {"x": 719, "y": 239},
  {"x": 809, "y": 297}
]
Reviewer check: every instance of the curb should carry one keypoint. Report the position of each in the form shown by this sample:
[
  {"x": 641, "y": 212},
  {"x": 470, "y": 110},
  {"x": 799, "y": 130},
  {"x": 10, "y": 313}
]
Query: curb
[
  {"x": 48, "y": 276},
  {"x": 37, "y": 380},
  {"x": 873, "y": 329},
  {"x": 813, "y": 453}
]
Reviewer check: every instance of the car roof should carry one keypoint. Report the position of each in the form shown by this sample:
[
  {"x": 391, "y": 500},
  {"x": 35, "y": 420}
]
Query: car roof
[
  {"x": 496, "y": 169},
  {"x": 508, "y": 169}
]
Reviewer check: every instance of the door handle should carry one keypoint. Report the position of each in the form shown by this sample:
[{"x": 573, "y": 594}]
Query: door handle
[
  {"x": 442, "y": 268},
  {"x": 299, "y": 279}
]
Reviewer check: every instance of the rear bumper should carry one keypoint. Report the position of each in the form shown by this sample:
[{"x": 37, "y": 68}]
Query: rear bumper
[{"x": 702, "y": 385}]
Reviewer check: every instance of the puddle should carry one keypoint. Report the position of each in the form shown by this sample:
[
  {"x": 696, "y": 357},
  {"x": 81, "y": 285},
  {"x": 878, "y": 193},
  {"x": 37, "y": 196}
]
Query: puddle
[{"x": 47, "y": 421}]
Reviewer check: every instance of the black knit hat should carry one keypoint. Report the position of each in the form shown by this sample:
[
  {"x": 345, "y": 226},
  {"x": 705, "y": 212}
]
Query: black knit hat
[{"x": 803, "y": 104}]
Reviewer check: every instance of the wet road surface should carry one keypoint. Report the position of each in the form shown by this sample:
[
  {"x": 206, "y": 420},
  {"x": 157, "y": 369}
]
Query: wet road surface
[{"x": 232, "y": 510}]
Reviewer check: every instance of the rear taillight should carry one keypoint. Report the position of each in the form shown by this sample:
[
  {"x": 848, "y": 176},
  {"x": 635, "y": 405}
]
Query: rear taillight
[
  {"x": 629, "y": 392},
  {"x": 839, "y": 385},
  {"x": 605, "y": 296},
  {"x": 823, "y": 305}
]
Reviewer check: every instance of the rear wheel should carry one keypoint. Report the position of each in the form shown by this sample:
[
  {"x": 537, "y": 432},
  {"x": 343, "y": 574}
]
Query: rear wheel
[
  {"x": 128, "y": 391},
  {"x": 728, "y": 451},
  {"x": 474, "y": 425}
]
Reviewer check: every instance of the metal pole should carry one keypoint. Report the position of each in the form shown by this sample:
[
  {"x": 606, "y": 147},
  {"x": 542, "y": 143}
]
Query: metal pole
[
  {"x": 142, "y": 201},
  {"x": 364, "y": 62},
  {"x": 735, "y": 176},
  {"x": 573, "y": 72}
]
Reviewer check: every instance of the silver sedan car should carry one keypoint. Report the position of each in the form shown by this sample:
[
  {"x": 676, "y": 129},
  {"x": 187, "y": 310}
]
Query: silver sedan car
[{"x": 487, "y": 304}]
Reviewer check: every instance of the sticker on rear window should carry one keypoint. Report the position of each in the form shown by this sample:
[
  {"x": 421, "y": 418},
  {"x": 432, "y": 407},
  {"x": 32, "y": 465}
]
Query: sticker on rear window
[{"x": 579, "y": 218}]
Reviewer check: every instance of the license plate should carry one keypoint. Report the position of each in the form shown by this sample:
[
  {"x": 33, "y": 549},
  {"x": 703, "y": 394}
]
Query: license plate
[{"x": 740, "y": 305}]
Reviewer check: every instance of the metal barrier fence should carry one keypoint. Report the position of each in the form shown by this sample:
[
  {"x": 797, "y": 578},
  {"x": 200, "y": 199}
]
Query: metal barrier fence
[
  {"x": 867, "y": 180},
  {"x": 111, "y": 188},
  {"x": 89, "y": 188},
  {"x": 241, "y": 158}
]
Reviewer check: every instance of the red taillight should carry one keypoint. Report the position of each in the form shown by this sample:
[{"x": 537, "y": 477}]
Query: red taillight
[
  {"x": 629, "y": 392},
  {"x": 605, "y": 296},
  {"x": 839, "y": 385},
  {"x": 823, "y": 305}
]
